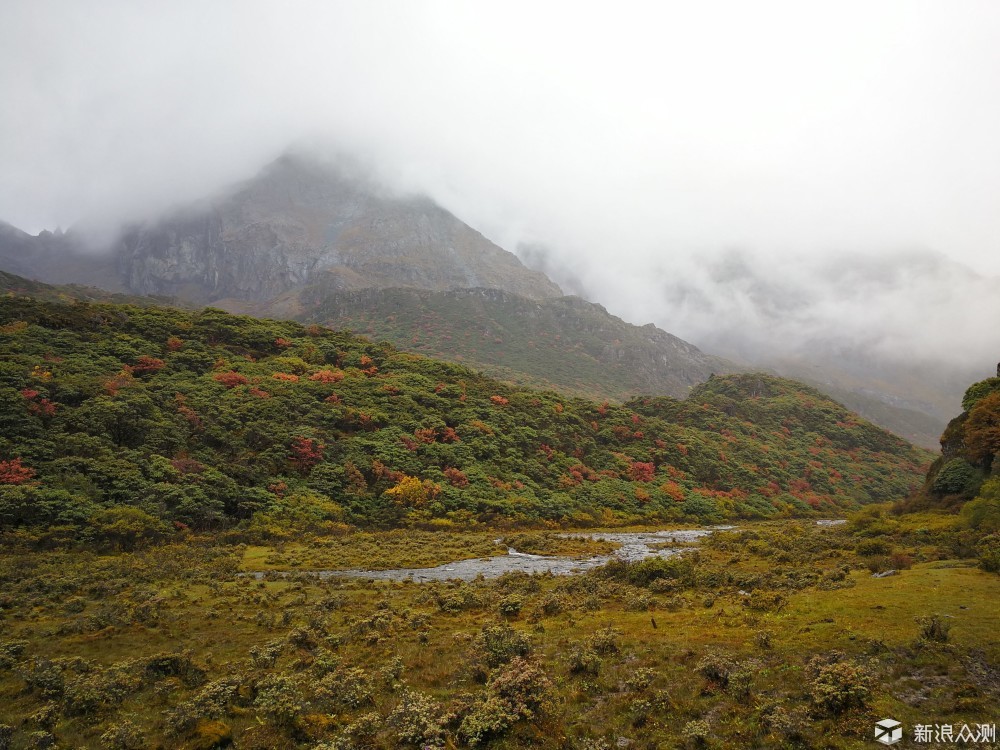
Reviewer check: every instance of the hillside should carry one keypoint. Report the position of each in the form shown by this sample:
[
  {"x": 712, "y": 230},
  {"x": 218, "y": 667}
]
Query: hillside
[
  {"x": 566, "y": 343},
  {"x": 206, "y": 420},
  {"x": 324, "y": 242},
  {"x": 18, "y": 286}
]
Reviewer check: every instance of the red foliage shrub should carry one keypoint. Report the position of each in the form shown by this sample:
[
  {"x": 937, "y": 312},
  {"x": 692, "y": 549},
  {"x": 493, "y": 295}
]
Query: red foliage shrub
[
  {"x": 306, "y": 453},
  {"x": 39, "y": 407},
  {"x": 147, "y": 364},
  {"x": 327, "y": 376},
  {"x": 118, "y": 381},
  {"x": 456, "y": 477},
  {"x": 230, "y": 379},
  {"x": 187, "y": 465},
  {"x": 425, "y": 435},
  {"x": 14, "y": 472},
  {"x": 641, "y": 471},
  {"x": 187, "y": 412},
  {"x": 673, "y": 490}
]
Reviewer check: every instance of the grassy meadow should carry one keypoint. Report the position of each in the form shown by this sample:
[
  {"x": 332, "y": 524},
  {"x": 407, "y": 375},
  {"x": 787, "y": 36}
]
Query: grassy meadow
[{"x": 775, "y": 634}]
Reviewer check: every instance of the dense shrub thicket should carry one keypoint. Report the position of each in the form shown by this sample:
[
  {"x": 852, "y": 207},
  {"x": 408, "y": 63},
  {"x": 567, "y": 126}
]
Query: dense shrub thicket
[{"x": 128, "y": 423}]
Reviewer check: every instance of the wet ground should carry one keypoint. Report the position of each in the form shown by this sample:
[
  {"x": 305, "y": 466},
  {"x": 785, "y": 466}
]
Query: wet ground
[{"x": 632, "y": 546}]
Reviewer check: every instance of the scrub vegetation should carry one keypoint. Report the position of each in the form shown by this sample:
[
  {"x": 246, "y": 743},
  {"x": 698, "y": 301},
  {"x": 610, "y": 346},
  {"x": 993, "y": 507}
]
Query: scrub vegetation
[
  {"x": 772, "y": 635},
  {"x": 170, "y": 481},
  {"x": 121, "y": 425}
]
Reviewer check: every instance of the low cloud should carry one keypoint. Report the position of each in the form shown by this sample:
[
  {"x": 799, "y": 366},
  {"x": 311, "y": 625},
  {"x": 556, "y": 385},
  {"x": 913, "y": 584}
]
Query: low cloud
[
  {"x": 903, "y": 309},
  {"x": 636, "y": 142}
]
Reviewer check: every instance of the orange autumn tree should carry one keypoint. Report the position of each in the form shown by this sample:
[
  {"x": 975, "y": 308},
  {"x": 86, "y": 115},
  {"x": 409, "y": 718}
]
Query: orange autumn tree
[
  {"x": 410, "y": 492},
  {"x": 982, "y": 429}
]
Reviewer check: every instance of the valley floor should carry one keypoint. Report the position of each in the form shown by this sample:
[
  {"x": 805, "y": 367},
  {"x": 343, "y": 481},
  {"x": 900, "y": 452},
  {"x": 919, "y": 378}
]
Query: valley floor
[{"x": 772, "y": 635}]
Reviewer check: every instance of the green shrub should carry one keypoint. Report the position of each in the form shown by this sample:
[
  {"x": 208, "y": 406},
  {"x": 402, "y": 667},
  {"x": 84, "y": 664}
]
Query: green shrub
[
  {"x": 519, "y": 690},
  {"x": 957, "y": 477},
  {"x": 583, "y": 660},
  {"x": 788, "y": 723},
  {"x": 697, "y": 732},
  {"x": 510, "y": 606},
  {"x": 879, "y": 564},
  {"x": 839, "y": 685},
  {"x": 499, "y": 644},
  {"x": 640, "y": 679},
  {"x": 988, "y": 551},
  {"x": 680, "y": 569},
  {"x": 279, "y": 697},
  {"x": 934, "y": 628},
  {"x": 872, "y": 547},
  {"x": 606, "y": 641},
  {"x": 10, "y": 651},
  {"x": 553, "y": 604},
  {"x": 638, "y": 602},
  {"x": 716, "y": 668},
  {"x": 983, "y": 513},
  {"x": 491, "y": 717},
  {"x": 977, "y": 391},
  {"x": 417, "y": 720},
  {"x": 210, "y": 702},
  {"x": 123, "y": 735},
  {"x": 765, "y": 601},
  {"x": 347, "y": 687}
]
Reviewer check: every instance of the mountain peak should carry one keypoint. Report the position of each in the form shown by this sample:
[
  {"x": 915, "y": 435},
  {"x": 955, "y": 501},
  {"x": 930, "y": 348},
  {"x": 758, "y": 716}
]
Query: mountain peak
[{"x": 302, "y": 220}]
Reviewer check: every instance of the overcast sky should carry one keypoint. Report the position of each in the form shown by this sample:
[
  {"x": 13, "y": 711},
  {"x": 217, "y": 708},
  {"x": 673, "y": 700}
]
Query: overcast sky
[{"x": 639, "y": 141}]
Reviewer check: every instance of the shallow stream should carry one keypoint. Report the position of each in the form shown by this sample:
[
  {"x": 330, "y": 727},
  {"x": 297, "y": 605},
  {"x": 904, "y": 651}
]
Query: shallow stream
[{"x": 633, "y": 546}]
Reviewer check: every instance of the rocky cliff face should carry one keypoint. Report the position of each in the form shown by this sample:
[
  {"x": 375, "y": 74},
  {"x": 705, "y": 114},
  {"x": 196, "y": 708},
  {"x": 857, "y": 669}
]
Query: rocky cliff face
[{"x": 298, "y": 219}]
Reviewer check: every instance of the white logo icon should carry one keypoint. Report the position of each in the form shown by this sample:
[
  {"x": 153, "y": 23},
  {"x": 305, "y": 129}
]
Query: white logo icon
[{"x": 888, "y": 731}]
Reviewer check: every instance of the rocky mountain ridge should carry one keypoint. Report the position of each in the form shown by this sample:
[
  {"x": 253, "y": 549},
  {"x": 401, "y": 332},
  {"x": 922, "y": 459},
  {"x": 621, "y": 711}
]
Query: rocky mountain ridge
[{"x": 298, "y": 219}]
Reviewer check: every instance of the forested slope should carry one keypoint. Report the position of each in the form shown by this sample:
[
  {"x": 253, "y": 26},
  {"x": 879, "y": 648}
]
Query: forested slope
[{"x": 123, "y": 422}]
